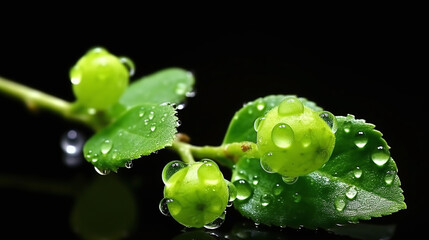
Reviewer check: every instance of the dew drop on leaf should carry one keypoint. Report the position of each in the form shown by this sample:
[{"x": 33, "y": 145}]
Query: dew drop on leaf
[
  {"x": 106, "y": 146},
  {"x": 340, "y": 204},
  {"x": 244, "y": 190},
  {"x": 357, "y": 172},
  {"x": 266, "y": 199},
  {"x": 296, "y": 197},
  {"x": 389, "y": 177},
  {"x": 102, "y": 172},
  {"x": 129, "y": 164},
  {"x": 351, "y": 192},
  {"x": 360, "y": 139},
  {"x": 282, "y": 135},
  {"x": 380, "y": 156},
  {"x": 278, "y": 189}
]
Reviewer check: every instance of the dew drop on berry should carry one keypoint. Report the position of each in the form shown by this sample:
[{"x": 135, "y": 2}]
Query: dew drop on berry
[
  {"x": 217, "y": 222},
  {"x": 129, "y": 64},
  {"x": 209, "y": 173},
  {"x": 169, "y": 207},
  {"x": 171, "y": 168},
  {"x": 256, "y": 123},
  {"x": 106, "y": 146},
  {"x": 282, "y": 135},
  {"x": 290, "y": 106},
  {"x": 360, "y": 139},
  {"x": 244, "y": 190},
  {"x": 232, "y": 191},
  {"x": 289, "y": 180},
  {"x": 330, "y": 119},
  {"x": 380, "y": 156},
  {"x": 75, "y": 75}
]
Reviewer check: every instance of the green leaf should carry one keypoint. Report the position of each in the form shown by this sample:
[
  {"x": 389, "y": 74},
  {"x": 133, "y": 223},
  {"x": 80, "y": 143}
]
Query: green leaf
[
  {"x": 171, "y": 85},
  {"x": 358, "y": 182},
  {"x": 241, "y": 126},
  {"x": 142, "y": 130}
]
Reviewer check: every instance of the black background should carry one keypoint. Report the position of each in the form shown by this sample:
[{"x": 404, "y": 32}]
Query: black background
[{"x": 355, "y": 64}]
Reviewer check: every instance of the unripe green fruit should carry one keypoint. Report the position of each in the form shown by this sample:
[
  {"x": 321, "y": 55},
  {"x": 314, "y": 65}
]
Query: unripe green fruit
[
  {"x": 196, "y": 194},
  {"x": 294, "y": 140},
  {"x": 99, "y": 79}
]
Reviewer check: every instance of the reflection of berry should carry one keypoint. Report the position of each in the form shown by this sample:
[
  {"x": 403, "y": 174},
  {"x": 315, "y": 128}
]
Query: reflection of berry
[
  {"x": 99, "y": 79},
  {"x": 295, "y": 140},
  {"x": 196, "y": 194}
]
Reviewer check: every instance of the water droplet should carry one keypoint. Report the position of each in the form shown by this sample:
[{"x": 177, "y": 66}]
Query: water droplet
[
  {"x": 209, "y": 172},
  {"x": 129, "y": 64},
  {"x": 181, "y": 88},
  {"x": 289, "y": 180},
  {"x": 171, "y": 168},
  {"x": 178, "y": 123},
  {"x": 282, "y": 135},
  {"x": 340, "y": 204},
  {"x": 75, "y": 75},
  {"x": 191, "y": 94},
  {"x": 357, "y": 172},
  {"x": 169, "y": 206},
  {"x": 129, "y": 164},
  {"x": 256, "y": 123},
  {"x": 347, "y": 126},
  {"x": 360, "y": 139},
  {"x": 306, "y": 139},
  {"x": 217, "y": 222},
  {"x": 102, "y": 171},
  {"x": 380, "y": 156},
  {"x": 244, "y": 190},
  {"x": 106, "y": 146},
  {"x": 266, "y": 199},
  {"x": 351, "y": 192},
  {"x": 290, "y": 106},
  {"x": 260, "y": 106},
  {"x": 296, "y": 197},
  {"x": 151, "y": 115},
  {"x": 390, "y": 177},
  {"x": 264, "y": 163},
  {"x": 72, "y": 142},
  {"x": 232, "y": 192},
  {"x": 255, "y": 180},
  {"x": 330, "y": 119},
  {"x": 278, "y": 189},
  {"x": 152, "y": 128},
  {"x": 92, "y": 111},
  {"x": 141, "y": 112}
]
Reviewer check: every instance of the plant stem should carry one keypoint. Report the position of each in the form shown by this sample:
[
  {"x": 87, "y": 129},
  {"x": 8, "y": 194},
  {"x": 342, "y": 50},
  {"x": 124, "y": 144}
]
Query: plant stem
[
  {"x": 35, "y": 99},
  {"x": 225, "y": 154}
]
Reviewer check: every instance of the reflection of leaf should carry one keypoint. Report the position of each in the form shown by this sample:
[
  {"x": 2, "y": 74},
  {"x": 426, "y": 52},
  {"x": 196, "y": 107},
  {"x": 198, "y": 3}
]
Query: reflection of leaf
[
  {"x": 241, "y": 126},
  {"x": 104, "y": 210},
  {"x": 358, "y": 182},
  {"x": 142, "y": 130},
  {"x": 365, "y": 231},
  {"x": 195, "y": 234}
]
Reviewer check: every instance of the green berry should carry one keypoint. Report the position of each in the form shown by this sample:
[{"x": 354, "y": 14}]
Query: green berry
[
  {"x": 294, "y": 140},
  {"x": 196, "y": 195},
  {"x": 99, "y": 79}
]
